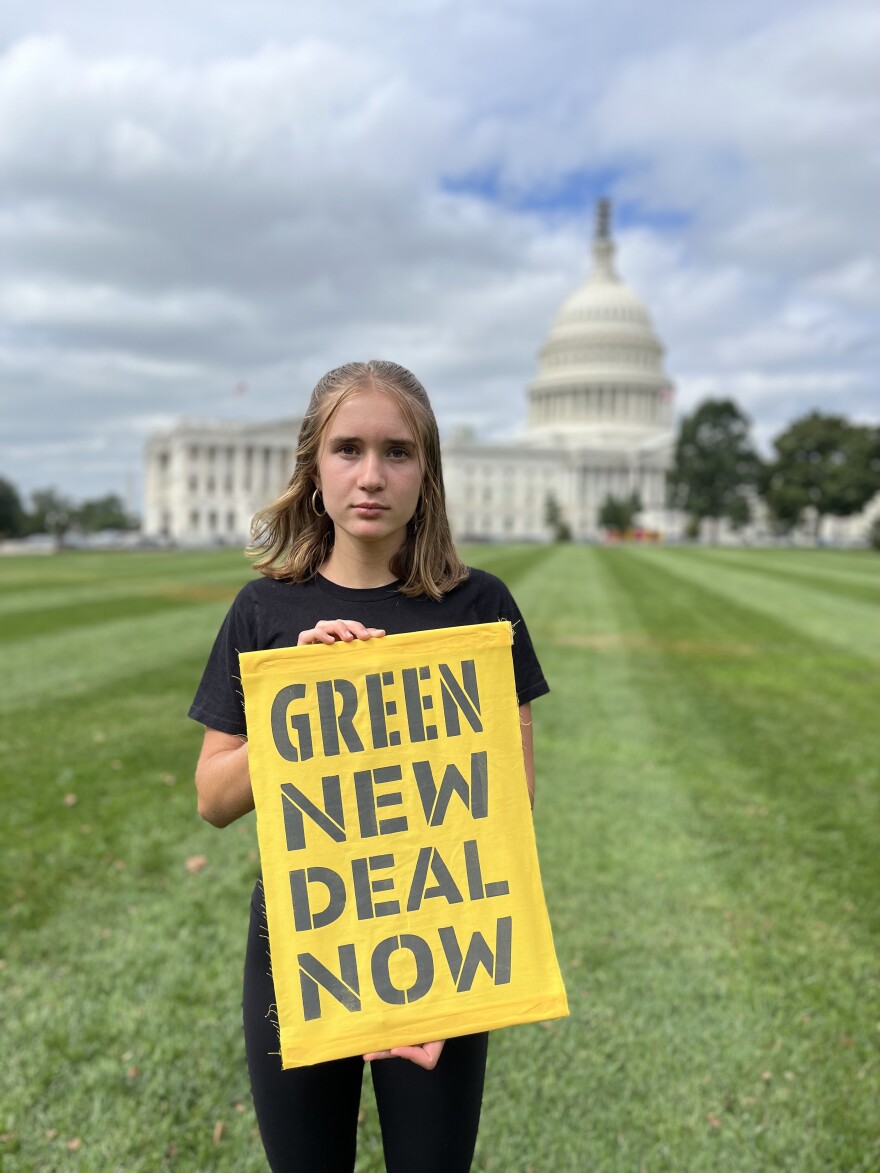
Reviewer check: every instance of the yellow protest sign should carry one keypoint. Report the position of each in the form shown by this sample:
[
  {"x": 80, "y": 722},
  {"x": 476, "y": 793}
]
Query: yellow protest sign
[{"x": 403, "y": 895}]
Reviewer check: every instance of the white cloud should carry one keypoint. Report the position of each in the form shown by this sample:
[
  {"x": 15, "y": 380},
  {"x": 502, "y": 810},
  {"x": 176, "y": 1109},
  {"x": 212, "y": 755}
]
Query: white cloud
[
  {"x": 188, "y": 203},
  {"x": 773, "y": 130}
]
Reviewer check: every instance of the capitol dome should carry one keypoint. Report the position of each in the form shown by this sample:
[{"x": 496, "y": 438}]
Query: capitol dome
[{"x": 600, "y": 375}]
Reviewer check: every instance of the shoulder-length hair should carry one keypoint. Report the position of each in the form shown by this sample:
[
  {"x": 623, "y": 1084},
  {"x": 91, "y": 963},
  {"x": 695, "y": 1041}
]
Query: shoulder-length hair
[{"x": 292, "y": 541}]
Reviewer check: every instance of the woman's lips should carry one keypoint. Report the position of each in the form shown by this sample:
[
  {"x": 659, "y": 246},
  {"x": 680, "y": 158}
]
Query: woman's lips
[{"x": 369, "y": 509}]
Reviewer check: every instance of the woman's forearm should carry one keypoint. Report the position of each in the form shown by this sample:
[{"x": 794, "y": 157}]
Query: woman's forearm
[{"x": 223, "y": 779}]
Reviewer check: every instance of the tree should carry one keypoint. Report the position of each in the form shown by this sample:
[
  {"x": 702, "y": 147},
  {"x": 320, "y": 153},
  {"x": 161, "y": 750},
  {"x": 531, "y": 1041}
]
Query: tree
[
  {"x": 714, "y": 465},
  {"x": 555, "y": 522},
  {"x": 51, "y": 513},
  {"x": 106, "y": 512},
  {"x": 619, "y": 513},
  {"x": 11, "y": 512},
  {"x": 740, "y": 512},
  {"x": 823, "y": 463}
]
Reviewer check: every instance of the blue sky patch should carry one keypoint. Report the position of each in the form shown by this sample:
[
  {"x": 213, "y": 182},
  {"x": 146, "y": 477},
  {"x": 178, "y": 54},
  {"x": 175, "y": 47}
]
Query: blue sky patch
[{"x": 572, "y": 194}]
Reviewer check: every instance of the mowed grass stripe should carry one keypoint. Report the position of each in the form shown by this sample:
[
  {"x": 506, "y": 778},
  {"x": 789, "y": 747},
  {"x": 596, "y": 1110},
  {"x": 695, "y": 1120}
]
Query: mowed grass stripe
[
  {"x": 844, "y": 565},
  {"x": 20, "y": 602},
  {"x": 822, "y": 576},
  {"x": 849, "y": 624},
  {"x": 45, "y": 670},
  {"x": 637, "y": 913},
  {"x": 123, "y": 973},
  {"x": 798, "y": 867},
  {"x": 115, "y": 944},
  {"x": 92, "y": 614},
  {"x": 92, "y": 579},
  {"x": 758, "y": 716},
  {"x": 103, "y": 749},
  {"x": 581, "y": 763},
  {"x": 512, "y": 564},
  {"x": 735, "y": 895},
  {"x": 606, "y": 827}
]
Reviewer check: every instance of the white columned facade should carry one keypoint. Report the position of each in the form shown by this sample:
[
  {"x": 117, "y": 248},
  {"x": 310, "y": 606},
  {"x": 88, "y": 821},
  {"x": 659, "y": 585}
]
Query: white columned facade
[{"x": 205, "y": 479}]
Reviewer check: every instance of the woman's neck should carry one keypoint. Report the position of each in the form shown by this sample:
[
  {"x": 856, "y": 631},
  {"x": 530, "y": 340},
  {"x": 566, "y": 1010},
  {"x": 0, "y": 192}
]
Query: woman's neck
[{"x": 360, "y": 567}]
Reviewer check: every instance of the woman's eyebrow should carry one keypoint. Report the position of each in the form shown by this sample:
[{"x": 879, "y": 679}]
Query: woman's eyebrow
[{"x": 359, "y": 440}]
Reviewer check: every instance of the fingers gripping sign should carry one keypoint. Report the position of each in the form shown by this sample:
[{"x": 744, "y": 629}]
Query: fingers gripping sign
[
  {"x": 423, "y": 1055},
  {"x": 329, "y": 631}
]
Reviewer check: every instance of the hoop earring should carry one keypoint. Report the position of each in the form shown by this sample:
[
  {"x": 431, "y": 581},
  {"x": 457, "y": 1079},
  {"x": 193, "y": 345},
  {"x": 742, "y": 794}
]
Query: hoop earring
[{"x": 323, "y": 512}]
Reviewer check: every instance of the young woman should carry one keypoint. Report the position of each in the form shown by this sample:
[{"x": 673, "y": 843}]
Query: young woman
[{"x": 356, "y": 547}]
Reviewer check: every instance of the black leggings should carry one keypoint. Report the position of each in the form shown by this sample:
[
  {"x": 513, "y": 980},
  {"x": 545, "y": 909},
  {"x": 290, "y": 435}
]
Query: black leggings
[{"x": 308, "y": 1115}]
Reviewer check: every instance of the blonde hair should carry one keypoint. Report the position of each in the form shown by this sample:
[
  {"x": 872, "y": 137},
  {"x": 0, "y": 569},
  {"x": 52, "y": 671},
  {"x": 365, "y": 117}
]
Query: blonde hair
[{"x": 292, "y": 541}]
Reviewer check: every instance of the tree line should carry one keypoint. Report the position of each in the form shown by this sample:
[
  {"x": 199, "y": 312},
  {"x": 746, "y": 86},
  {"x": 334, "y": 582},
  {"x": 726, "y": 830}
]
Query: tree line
[
  {"x": 821, "y": 465},
  {"x": 50, "y": 512}
]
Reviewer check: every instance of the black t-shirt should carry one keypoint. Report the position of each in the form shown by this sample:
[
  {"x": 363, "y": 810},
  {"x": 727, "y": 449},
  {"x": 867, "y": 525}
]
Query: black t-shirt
[{"x": 271, "y": 614}]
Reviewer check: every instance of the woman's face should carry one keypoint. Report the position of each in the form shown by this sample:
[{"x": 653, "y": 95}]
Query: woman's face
[{"x": 369, "y": 470}]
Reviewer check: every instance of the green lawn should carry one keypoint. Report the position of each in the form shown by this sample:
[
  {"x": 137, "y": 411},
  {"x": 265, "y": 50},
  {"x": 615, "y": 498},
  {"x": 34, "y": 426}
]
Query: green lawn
[{"x": 707, "y": 815}]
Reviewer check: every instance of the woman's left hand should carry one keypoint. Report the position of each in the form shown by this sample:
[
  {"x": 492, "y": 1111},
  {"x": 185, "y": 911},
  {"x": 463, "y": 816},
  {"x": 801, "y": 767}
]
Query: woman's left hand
[{"x": 424, "y": 1055}]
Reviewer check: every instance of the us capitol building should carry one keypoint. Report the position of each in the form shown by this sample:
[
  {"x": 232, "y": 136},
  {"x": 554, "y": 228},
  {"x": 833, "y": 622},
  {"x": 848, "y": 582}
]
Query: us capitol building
[{"x": 599, "y": 425}]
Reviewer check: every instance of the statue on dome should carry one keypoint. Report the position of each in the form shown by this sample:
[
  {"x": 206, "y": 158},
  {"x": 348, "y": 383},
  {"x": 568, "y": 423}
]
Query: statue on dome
[{"x": 603, "y": 219}]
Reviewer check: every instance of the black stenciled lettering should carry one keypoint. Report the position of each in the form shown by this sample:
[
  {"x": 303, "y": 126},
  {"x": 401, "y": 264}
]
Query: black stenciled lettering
[
  {"x": 435, "y": 800},
  {"x": 415, "y": 704},
  {"x": 314, "y": 976},
  {"x": 379, "y": 709},
  {"x": 364, "y": 887},
  {"x": 331, "y": 819},
  {"x": 303, "y": 916},
  {"x": 476, "y": 889},
  {"x": 464, "y": 969},
  {"x": 460, "y": 698},
  {"x": 380, "y": 967},
  {"x": 333, "y": 724},
  {"x": 391, "y": 709},
  {"x": 376, "y": 705},
  {"x": 368, "y": 801},
  {"x": 299, "y": 723},
  {"x": 429, "y": 858}
]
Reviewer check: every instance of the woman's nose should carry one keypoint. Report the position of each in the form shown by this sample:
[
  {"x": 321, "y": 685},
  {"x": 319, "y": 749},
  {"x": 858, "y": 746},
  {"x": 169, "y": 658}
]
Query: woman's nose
[{"x": 372, "y": 476}]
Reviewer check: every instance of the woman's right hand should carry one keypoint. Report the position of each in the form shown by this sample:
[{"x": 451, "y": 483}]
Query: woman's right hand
[{"x": 329, "y": 631}]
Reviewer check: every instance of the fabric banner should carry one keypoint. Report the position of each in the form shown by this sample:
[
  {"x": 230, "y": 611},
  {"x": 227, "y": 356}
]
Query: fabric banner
[{"x": 403, "y": 895}]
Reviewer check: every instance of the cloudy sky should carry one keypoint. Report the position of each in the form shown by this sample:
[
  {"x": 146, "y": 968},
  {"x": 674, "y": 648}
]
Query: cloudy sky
[{"x": 198, "y": 196}]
